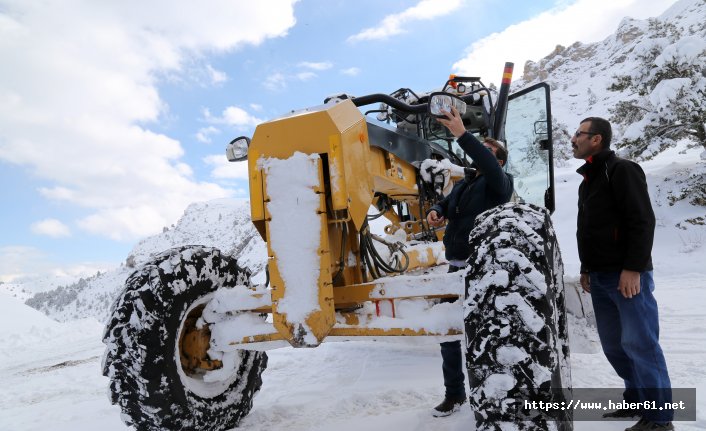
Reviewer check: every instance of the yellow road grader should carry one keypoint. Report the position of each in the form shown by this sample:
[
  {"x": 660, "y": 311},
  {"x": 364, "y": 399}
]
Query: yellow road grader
[{"x": 187, "y": 337}]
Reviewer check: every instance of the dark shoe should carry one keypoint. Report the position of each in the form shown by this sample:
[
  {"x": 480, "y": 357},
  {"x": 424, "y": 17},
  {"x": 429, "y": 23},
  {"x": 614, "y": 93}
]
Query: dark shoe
[
  {"x": 623, "y": 413},
  {"x": 448, "y": 407},
  {"x": 645, "y": 425}
]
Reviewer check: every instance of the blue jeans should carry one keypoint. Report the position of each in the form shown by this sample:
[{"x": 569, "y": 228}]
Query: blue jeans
[
  {"x": 452, "y": 361},
  {"x": 629, "y": 334},
  {"x": 452, "y": 366}
]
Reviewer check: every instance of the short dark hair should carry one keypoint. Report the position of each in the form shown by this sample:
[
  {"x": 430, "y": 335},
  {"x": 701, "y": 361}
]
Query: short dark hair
[
  {"x": 600, "y": 126},
  {"x": 500, "y": 151}
]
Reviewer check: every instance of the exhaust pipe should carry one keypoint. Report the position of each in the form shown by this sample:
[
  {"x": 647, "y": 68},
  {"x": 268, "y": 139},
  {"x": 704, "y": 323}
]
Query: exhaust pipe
[{"x": 498, "y": 120}]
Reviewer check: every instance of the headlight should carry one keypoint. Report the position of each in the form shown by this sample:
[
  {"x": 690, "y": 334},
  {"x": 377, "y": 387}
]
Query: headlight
[{"x": 444, "y": 101}]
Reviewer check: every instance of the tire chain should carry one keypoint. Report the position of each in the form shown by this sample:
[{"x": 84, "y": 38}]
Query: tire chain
[{"x": 140, "y": 339}]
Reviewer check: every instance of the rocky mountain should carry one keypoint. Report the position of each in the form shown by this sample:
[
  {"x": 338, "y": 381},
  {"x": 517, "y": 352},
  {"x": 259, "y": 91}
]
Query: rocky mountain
[
  {"x": 223, "y": 223},
  {"x": 648, "y": 78}
]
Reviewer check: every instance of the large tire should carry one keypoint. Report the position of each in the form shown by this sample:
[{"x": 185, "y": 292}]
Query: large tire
[
  {"x": 142, "y": 358},
  {"x": 515, "y": 321}
]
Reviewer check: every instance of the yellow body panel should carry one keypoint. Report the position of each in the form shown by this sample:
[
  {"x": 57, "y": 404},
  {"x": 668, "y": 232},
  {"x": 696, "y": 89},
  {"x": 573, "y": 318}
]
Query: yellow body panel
[
  {"x": 338, "y": 134},
  {"x": 355, "y": 158},
  {"x": 338, "y": 131},
  {"x": 395, "y": 177}
]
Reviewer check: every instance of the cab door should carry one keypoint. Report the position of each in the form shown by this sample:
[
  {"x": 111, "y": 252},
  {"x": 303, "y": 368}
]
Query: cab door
[{"x": 528, "y": 135}]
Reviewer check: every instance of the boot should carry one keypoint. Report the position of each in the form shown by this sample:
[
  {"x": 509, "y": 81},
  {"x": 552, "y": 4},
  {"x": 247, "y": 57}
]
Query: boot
[{"x": 448, "y": 406}]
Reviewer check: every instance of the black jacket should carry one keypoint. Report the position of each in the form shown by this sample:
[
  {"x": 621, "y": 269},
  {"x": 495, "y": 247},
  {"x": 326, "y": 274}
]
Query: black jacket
[
  {"x": 471, "y": 196},
  {"x": 616, "y": 224}
]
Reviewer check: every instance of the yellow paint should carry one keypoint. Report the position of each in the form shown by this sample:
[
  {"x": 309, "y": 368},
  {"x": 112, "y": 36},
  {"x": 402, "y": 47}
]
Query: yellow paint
[
  {"x": 311, "y": 132},
  {"x": 393, "y": 177},
  {"x": 339, "y": 192},
  {"x": 421, "y": 258}
]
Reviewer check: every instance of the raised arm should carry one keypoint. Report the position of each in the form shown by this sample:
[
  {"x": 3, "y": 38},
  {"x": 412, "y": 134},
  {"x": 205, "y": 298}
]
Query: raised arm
[{"x": 484, "y": 159}]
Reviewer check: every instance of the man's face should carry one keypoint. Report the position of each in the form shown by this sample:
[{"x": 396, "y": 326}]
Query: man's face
[
  {"x": 584, "y": 143},
  {"x": 493, "y": 150}
]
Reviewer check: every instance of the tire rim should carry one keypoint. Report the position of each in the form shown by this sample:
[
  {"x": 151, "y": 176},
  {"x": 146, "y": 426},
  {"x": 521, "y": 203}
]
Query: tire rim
[{"x": 206, "y": 384}]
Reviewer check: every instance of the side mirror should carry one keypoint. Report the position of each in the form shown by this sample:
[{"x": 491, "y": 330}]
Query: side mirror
[
  {"x": 444, "y": 101},
  {"x": 237, "y": 149}
]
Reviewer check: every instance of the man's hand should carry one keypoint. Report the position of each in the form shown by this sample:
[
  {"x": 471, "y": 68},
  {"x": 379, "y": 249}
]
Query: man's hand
[
  {"x": 434, "y": 219},
  {"x": 629, "y": 284},
  {"x": 585, "y": 283},
  {"x": 453, "y": 122}
]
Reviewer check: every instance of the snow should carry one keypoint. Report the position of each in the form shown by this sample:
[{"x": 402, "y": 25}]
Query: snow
[
  {"x": 510, "y": 355},
  {"x": 514, "y": 299},
  {"x": 235, "y": 328},
  {"x": 497, "y": 385},
  {"x": 213, "y": 382},
  {"x": 431, "y": 284},
  {"x": 444, "y": 167},
  {"x": 26, "y": 319},
  {"x": 237, "y": 298},
  {"x": 415, "y": 314},
  {"x": 685, "y": 50},
  {"x": 25, "y": 287},
  {"x": 50, "y": 372},
  {"x": 202, "y": 223},
  {"x": 295, "y": 231},
  {"x": 667, "y": 91},
  {"x": 336, "y": 175}
]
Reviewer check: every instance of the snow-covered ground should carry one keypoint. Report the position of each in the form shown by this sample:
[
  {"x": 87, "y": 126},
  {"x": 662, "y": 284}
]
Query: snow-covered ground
[{"x": 51, "y": 379}]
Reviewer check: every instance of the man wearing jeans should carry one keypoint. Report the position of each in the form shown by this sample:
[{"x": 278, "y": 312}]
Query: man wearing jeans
[{"x": 615, "y": 233}]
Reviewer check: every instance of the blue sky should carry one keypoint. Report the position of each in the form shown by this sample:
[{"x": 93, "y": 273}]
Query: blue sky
[{"x": 114, "y": 116}]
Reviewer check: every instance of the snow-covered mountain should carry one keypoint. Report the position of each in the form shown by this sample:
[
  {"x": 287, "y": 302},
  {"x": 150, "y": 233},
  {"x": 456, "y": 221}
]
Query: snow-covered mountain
[
  {"x": 222, "y": 223},
  {"x": 649, "y": 80},
  {"x": 28, "y": 286}
]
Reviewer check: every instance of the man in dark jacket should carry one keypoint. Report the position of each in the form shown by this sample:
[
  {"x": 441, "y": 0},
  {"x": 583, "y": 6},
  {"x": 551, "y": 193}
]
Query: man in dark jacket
[
  {"x": 615, "y": 233},
  {"x": 487, "y": 187}
]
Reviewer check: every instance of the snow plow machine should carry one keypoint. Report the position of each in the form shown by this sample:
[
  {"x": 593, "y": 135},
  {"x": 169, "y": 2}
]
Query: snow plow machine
[{"x": 186, "y": 339}]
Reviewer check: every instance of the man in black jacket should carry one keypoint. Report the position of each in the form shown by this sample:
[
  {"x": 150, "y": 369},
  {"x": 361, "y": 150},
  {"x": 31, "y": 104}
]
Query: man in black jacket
[
  {"x": 487, "y": 187},
  {"x": 615, "y": 230}
]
